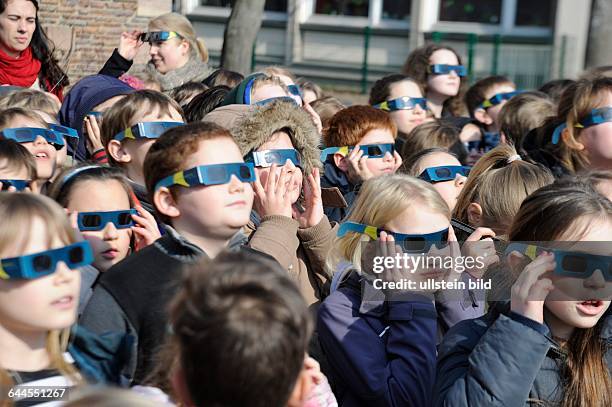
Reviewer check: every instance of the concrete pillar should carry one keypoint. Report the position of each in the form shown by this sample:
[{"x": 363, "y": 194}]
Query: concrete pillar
[
  {"x": 570, "y": 37},
  {"x": 293, "y": 35}
]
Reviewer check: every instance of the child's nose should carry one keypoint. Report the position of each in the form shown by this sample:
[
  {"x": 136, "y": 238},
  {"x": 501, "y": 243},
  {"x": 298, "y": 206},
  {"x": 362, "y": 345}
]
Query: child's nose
[
  {"x": 235, "y": 185},
  {"x": 63, "y": 273},
  {"x": 110, "y": 231},
  {"x": 40, "y": 141},
  {"x": 388, "y": 156},
  {"x": 460, "y": 181},
  {"x": 595, "y": 281},
  {"x": 418, "y": 109}
]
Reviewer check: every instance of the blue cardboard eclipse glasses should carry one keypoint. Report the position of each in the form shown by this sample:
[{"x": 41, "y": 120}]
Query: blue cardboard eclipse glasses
[
  {"x": 19, "y": 184},
  {"x": 568, "y": 263},
  {"x": 209, "y": 175},
  {"x": 149, "y": 130},
  {"x": 402, "y": 103},
  {"x": 271, "y": 100},
  {"x": 498, "y": 98},
  {"x": 444, "y": 173},
  {"x": 443, "y": 69},
  {"x": 92, "y": 221},
  {"x": 597, "y": 116},
  {"x": 410, "y": 243},
  {"x": 29, "y": 134},
  {"x": 158, "y": 36},
  {"x": 294, "y": 90},
  {"x": 32, "y": 266},
  {"x": 64, "y": 131},
  {"x": 370, "y": 150},
  {"x": 268, "y": 157}
]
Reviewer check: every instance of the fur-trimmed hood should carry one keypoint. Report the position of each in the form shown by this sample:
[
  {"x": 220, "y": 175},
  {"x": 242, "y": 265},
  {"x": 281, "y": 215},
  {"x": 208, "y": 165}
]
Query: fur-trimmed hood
[{"x": 258, "y": 123}]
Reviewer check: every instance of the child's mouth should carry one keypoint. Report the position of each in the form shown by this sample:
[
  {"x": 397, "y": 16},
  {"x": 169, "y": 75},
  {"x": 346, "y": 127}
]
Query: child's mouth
[{"x": 590, "y": 307}]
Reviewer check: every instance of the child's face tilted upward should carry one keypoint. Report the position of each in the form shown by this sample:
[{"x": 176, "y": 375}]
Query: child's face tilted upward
[
  {"x": 215, "y": 210},
  {"x": 110, "y": 245},
  {"x": 449, "y": 190},
  {"x": 44, "y": 153},
  {"x": 386, "y": 164},
  {"x": 50, "y": 301},
  {"x": 597, "y": 141}
]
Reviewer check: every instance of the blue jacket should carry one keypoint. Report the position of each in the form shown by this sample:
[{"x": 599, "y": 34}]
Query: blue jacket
[
  {"x": 503, "y": 359},
  {"x": 333, "y": 177},
  {"x": 380, "y": 353}
]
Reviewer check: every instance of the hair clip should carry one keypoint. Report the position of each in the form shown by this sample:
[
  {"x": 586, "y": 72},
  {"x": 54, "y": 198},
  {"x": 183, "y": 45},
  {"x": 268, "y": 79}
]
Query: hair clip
[{"x": 513, "y": 158}]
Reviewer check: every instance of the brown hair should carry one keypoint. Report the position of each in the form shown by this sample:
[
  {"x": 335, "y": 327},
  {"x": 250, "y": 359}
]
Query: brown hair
[
  {"x": 275, "y": 70},
  {"x": 225, "y": 308},
  {"x": 382, "y": 88},
  {"x": 523, "y": 113},
  {"x": 350, "y": 125},
  {"x": 8, "y": 115},
  {"x": 17, "y": 156},
  {"x": 187, "y": 91},
  {"x": 69, "y": 178},
  {"x": 32, "y": 99},
  {"x": 417, "y": 67},
  {"x": 181, "y": 25},
  {"x": 553, "y": 213},
  {"x": 500, "y": 166},
  {"x": 168, "y": 154},
  {"x": 223, "y": 77},
  {"x": 326, "y": 107},
  {"x": 576, "y": 103},
  {"x": 475, "y": 95},
  {"x": 429, "y": 135},
  {"x": 122, "y": 114},
  {"x": 17, "y": 211},
  {"x": 410, "y": 165},
  {"x": 305, "y": 85},
  {"x": 264, "y": 80}
]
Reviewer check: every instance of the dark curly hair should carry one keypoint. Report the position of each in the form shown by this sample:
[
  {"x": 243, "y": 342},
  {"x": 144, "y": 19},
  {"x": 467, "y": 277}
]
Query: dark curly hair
[
  {"x": 417, "y": 67},
  {"x": 42, "y": 48}
]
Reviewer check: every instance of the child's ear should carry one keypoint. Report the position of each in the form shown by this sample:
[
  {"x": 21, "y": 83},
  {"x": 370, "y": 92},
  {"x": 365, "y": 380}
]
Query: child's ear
[
  {"x": 116, "y": 150},
  {"x": 483, "y": 117},
  {"x": 165, "y": 203},
  {"x": 570, "y": 141},
  {"x": 474, "y": 213},
  {"x": 340, "y": 162},
  {"x": 185, "y": 47},
  {"x": 301, "y": 390}
]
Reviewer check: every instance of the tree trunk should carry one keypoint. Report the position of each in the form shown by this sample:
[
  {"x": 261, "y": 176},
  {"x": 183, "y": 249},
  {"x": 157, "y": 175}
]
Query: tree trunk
[
  {"x": 599, "y": 47},
  {"x": 240, "y": 34}
]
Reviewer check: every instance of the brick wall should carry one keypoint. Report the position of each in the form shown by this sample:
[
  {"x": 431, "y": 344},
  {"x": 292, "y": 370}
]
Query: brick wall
[{"x": 92, "y": 29}]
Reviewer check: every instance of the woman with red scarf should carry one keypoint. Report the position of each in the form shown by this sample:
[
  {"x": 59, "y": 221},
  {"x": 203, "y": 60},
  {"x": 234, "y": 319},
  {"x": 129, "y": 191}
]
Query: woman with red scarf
[{"x": 26, "y": 54}]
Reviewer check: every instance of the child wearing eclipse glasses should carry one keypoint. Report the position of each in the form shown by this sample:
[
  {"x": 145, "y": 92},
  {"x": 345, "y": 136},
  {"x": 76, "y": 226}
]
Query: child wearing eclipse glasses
[
  {"x": 40, "y": 256},
  {"x": 484, "y": 101},
  {"x": 201, "y": 189},
  {"x": 129, "y": 129},
  {"x": 550, "y": 340},
  {"x": 30, "y": 130},
  {"x": 288, "y": 222},
  {"x": 17, "y": 167},
  {"x": 360, "y": 144},
  {"x": 372, "y": 345},
  {"x": 100, "y": 204}
]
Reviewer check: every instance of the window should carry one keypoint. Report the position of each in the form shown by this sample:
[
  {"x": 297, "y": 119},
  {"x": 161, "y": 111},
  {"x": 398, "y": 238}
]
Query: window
[
  {"x": 357, "y": 8},
  {"x": 472, "y": 11},
  {"x": 396, "y": 10},
  {"x": 535, "y": 13},
  {"x": 271, "y": 5}
]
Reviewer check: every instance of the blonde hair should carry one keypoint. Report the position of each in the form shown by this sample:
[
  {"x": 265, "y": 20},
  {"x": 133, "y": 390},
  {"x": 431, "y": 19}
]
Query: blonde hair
[
  {"x": 275, "y": 70},
  {"x": 180, "y": 25},
  {"x": 32, "y": 99},
  {"x": 500, "y": 166},
  {"x": 17, "y": 210},
  {"x": 8, "y": 115},
  {"x": 380, "y": 200}
]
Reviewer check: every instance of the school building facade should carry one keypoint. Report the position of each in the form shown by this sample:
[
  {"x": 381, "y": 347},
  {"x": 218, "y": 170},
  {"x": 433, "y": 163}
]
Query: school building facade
[{"x": 353, "y": 42}]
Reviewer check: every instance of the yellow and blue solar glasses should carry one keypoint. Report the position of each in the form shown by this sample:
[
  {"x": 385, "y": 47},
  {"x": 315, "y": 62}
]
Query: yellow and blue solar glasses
[
  {"x": 568, "y": 263},
  {"x": 266, "y": 158},
  {"x": 595, "y": 117},
  {"x": 402, "y": 103},
  {"x": 158, "y": 36},
  {"x": 271, "y": 100},
  {"x": 36, "y": 265},
  {"x": 64, "y": 131},
  {"x": 93, "y": 221},
  {"x": 444, "y": 173},
  {"x": 369, "y": 150},
  {"x": 216, "y": 174},
  {"x": 148, "y": 130},
  {"x": 409, "y": 243},
  {"x": 29, "y": 134},
  {"x": 498, "y": 98},
  {"x": 443, "y": 69}
]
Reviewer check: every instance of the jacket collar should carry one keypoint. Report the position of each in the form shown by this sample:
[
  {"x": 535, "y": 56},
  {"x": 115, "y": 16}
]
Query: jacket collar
[{"x": 333, "y": 177}]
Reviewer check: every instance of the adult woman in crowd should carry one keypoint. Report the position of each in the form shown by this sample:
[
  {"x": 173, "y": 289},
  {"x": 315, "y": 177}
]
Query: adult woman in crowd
[
  {"x": 26, "y": 54},
  {"x": 177, "y": 55}
]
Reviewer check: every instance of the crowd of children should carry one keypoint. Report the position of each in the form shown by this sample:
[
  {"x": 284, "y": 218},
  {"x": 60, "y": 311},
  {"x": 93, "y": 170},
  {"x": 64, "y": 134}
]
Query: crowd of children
[{"x": 206, "y": 239}]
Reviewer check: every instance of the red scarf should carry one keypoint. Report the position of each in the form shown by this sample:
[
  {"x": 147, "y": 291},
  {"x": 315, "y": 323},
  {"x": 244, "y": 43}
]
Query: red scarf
[{"x": 21, "y": 71}]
